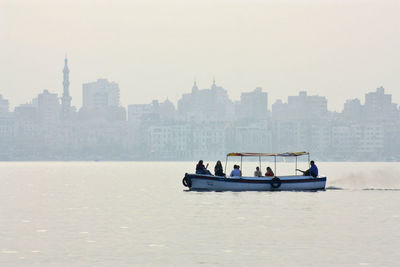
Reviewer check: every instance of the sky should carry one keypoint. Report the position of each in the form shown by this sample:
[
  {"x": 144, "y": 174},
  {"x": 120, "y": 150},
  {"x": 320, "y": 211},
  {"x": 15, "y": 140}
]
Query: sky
[{"x": 156, "y": 49}]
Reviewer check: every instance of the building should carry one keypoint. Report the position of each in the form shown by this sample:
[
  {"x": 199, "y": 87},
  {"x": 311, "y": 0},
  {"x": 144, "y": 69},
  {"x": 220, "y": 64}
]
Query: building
[
  {"x": 253, "y": 105},
  {"x": 66, "y": 98},
  {"x": 167, "y": 111},
  {"x": 301, "y": 107},
  {"x": 254, "y": 137},
  {"x": 100, "y": 94},
  {"x": 4, "y": 106},
  {"x": 379, "y": 107},
  {"x": 188, "y": 141},
  {"x": 164, "y": 111},
  {"x": 343, "y": 142},
  {"x": 352, "y": 110},
  {"x": 306, "y": 107},
  {"x": 171, "y": 142},
  {"x": 370, "y": 140},
  {"x": 206, "y": 105},
  {"x": 27, "y": 131},
  {"x": 300, "y": 124},
  {"x": 100, "y": 102},
  {"x": 48, "y": 108},
  {"x": 139, "y": 112},
  {"x": 7, "y": 137}
]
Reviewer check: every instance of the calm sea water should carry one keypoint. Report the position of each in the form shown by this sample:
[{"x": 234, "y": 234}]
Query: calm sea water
[{"x": 138, "y": 213}]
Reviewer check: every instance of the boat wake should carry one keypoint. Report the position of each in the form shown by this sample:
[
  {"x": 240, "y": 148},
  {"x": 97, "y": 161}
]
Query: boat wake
[
  {"x": 363, "y": 189},
  {"x": 381, "y": 189},
  {"x": 334, "y": 188},
  {"x": 377, "y": 179}
]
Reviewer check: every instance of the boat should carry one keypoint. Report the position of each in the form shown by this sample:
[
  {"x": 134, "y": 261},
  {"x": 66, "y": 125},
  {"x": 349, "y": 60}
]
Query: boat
[{"x": 295, "y": 182}]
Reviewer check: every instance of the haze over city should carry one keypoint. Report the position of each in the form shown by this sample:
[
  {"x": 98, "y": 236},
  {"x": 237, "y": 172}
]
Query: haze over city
[
  {"x": 199, "y": 133},
  {"x": 156, "y": 49},
  {"x": 204, "y": 123}
]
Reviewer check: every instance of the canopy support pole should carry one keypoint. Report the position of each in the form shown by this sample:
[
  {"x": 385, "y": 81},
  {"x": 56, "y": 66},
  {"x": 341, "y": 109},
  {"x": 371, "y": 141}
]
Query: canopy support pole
[
  {"x": 295, "y": 171},
  {"x": 226, "y": 163},
  {"x": 275, "y": 166},
  {"x": 259, "y": 159},
  {"x": 241, "y": 164}
]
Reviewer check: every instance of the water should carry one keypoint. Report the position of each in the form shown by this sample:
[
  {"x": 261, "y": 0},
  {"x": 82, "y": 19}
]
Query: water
[{"x": 138, "y": 213}]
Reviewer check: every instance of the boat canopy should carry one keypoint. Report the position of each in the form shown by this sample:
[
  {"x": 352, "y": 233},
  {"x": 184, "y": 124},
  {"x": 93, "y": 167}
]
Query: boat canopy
[{"x": 286, "y": 154}]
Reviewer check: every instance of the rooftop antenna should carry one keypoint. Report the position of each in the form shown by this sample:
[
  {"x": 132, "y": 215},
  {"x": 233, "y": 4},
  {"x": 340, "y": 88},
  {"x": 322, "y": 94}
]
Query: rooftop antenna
[{"x": 213, "y": 86}]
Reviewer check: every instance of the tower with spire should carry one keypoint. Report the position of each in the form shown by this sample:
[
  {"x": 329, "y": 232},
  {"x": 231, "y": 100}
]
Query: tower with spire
[
  {"x": 213, "y": 86},
  {"x": 66, "y": 98},
  {"x": 195, "y": 88}
]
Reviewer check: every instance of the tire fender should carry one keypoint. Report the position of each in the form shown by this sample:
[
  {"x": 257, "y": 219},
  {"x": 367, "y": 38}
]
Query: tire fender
[{"x": 276, "y": 183}]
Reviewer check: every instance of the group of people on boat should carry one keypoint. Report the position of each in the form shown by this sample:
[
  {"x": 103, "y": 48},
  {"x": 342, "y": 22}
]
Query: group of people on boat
[
  {"x": 258, "y": 173},
  {"x": 236, "y": 172}
]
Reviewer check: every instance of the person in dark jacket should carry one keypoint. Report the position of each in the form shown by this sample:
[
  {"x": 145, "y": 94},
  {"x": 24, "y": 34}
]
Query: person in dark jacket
[
  {"x": 201, "y": 169},
  {"x": 218, "y": 170}
]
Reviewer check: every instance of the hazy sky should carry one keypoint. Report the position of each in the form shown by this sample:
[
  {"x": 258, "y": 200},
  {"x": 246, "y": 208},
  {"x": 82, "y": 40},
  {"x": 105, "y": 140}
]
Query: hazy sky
[{"x": 155, "y": 49}]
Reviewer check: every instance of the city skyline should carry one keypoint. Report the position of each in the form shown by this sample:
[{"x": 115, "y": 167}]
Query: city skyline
[
  {"x": 66, "y": 98},
  {"x": 199, "y": 132},
  {"x": 204, "y": 123},
  {"x": 330, "y": 48}
]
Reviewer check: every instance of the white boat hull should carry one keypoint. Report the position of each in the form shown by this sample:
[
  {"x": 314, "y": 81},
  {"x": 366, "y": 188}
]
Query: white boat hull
[{"x": 281, "y": 183}]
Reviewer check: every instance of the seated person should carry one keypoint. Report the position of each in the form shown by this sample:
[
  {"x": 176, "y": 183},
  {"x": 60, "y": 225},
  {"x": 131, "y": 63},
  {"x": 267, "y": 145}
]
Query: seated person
[
  {"x": 312, "y": 171},
  {"x": 218, "y": 170},
  {"x": 201, "y": 169},
  {"x": 257, "y": 172},
  {"x": 269, "y": 172},
  {"x": 236, "y": 171}
]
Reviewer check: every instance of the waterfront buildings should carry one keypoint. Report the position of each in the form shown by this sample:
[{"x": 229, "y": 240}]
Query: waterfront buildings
[{"x": 206, "y": 124}]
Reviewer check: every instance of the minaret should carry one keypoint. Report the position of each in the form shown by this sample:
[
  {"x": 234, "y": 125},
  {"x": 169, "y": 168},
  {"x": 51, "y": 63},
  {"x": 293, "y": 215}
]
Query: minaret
[
  {"x": 213, "y": 86},
  {"x": 65, "y": 99},
  {"x": 195, "y": 88}
]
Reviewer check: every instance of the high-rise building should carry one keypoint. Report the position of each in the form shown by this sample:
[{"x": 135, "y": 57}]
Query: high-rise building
[
  {"x": 301, "y": 107},
  {"x": 379, "y": 106},
  {"x": 206, "y": 105},
  {"x": 352, "y": 111},
  {"x": 308, "y": 107},
  {"x": 66, "y": 98},
  {"x": 48, "y": 107},
  {"x": 253, "y": 105},
  {"x": 101, "y": 101},
  {"x": 3, "y": 105},
  {"x": 100, "y": 94}
]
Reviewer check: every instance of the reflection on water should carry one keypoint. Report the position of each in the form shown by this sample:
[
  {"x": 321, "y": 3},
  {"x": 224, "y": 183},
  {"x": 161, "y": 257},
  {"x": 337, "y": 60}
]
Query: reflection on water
[{"x": 125, "y": 213}]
